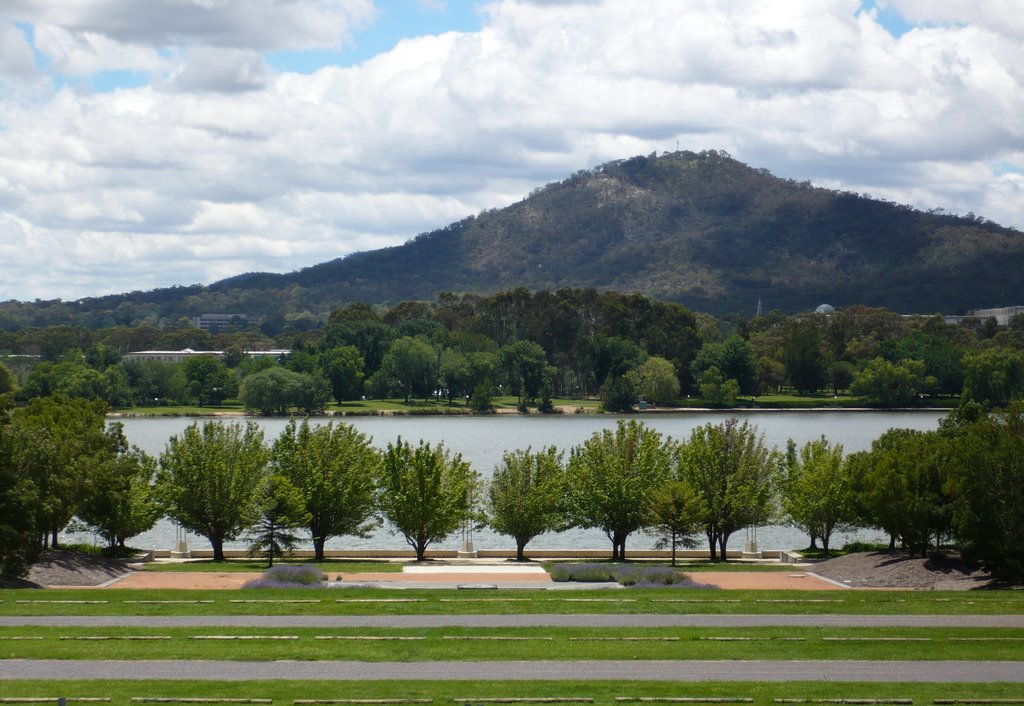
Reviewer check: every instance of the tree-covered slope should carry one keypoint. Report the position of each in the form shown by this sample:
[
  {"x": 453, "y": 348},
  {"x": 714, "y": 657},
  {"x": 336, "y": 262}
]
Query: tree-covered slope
[
  {"x": 707, "y": 231},
  {"x": 701, "y": 229}
]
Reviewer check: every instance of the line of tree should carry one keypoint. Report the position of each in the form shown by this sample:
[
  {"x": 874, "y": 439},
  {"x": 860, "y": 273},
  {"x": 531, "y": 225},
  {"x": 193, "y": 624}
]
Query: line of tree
[
  {"x": 569, "y": 343},
  {"x": 961, "y": 484}
]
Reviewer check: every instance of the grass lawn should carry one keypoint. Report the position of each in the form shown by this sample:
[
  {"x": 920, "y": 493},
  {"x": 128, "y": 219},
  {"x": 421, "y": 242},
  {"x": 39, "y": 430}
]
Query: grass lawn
[
  {"x": 369, "y": 601},
  {"x": 490, "y": 644},
  {"x": 355, "y": 407},
  {"x": 444, "y": 692}
]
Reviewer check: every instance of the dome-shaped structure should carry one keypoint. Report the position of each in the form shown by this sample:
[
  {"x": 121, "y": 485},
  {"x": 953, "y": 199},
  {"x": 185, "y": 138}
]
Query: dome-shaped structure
[{"x": 825, "y": 309}]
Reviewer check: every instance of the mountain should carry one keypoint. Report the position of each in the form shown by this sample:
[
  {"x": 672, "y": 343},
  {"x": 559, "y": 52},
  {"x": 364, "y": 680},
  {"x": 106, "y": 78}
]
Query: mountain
[{"x": 702, "y": 229}]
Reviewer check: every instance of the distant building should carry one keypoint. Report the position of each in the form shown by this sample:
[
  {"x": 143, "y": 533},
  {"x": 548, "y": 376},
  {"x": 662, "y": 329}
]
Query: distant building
[
  {"x": 178, "y": 356},
  {"x": 218, "y": 323},
  {"x": 1002, "y": 315}
]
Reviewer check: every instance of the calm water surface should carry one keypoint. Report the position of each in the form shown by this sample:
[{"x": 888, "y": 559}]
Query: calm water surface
[{"x": 482, "y": 440}]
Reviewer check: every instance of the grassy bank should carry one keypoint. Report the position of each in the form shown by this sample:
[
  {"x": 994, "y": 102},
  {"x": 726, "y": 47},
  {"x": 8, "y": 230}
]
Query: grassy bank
[
  {"x": 444, "y": 692},
  {"x": 493, "y": 644},
  {"x": 368, "y": 601}
]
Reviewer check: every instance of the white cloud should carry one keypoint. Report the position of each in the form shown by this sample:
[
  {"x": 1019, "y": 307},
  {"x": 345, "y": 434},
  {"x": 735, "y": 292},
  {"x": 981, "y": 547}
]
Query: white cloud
[
  {"x": 998, "y": 16},
  {"x": 222, "y": 70},
  {"x": 242, "y": 24},
  {"x": 16, "y": 58},
  {"x": 86, "y": 53},
  {"x": 223, "y": 166}
]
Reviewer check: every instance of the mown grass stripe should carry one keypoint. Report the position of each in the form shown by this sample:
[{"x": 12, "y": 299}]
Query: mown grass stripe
[
  {"x": 731, "y": 638},
  {"x": 624, "y": 639},
  {"x": 495, "y": 637},
  {"x": 843, "y": 701},
  {"x": 274, "y": 600},
  {"x": 695, "y": 600},
  {"x": 63, "y": 602},
  {"x": 114, "y": 637},
  {"x": 196, "y": 602},
  {"x": 196, "y": 700},
  {"x": 52, "y": 699},
  {"x": 243, "y": 637},
  {"x": 370, "y": 637},
  {"x": 528, "y": 700},
  {"x": 309, "y": 702},
  {"x": 485, "y": 600},
  {"x": 877, "y": 639},
  {"x": 687, "y": 699},
  {"x": 986, "y": 639}
]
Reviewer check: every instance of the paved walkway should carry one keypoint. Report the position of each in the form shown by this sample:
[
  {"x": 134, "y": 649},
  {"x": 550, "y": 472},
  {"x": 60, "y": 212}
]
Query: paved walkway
[
  {"x": 854, "y": 671},
  {"x": 517, "y": 620}
]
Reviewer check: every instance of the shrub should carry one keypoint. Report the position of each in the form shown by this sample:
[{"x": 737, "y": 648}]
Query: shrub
[
  {"x": 289, "y": 577},
  {"x": 852, "y": 547},
  {"x": 583, "y": 573},
  {"x": 648, "y": 576},
  {"x": 640, "y": 576}
]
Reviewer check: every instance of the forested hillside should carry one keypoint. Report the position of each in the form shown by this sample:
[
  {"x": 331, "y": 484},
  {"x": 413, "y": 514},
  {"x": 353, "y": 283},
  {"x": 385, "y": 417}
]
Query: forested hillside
[{"x": 701, "y": 229}]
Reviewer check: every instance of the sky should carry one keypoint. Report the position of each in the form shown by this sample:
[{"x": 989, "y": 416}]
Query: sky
[{"x": 149, "y": 143}]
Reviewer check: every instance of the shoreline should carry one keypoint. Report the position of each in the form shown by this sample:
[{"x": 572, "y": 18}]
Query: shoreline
[{"x": 565, "y": 411}]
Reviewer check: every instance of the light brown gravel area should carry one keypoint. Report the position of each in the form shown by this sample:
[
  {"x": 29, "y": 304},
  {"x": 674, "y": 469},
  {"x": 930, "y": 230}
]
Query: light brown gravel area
[
  {"x": 186, "y": 579},
  {"x": 460, "y": 577},
  {"x": 231, "y": 580},
  {"x": 762, "y": 580}
]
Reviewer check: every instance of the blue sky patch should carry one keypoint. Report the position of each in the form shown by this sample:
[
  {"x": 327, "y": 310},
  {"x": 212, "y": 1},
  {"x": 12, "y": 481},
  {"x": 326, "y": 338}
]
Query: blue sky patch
[
  {"x": 396, "y": 20},
  {"x": 888, "y": 18}
]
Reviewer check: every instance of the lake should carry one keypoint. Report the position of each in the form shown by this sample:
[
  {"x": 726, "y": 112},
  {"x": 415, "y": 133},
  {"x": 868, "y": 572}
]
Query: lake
[{"x": 482, "y": 439}]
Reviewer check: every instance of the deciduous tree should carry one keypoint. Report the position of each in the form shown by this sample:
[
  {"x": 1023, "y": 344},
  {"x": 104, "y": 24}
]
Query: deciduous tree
[
  {"x": 208, "y": 479},
  {"x": 524, "y": 495},
  {"x": 610, "y": 479},
  {"x": 19, "y": 498},
  {"x": 425, "y": 492},
  {"x": 656, "y": 380},
  {"x": 117, "y": 493},
  {"x": 986, "y": 482},
  {"x": 335, "y": 469},
  {"x": 733, "y": 476},
  {"x": 817, "y": 495}
]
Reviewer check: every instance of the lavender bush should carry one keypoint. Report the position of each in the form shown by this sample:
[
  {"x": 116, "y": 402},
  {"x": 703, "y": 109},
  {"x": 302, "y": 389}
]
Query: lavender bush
[
  {"x": 638, "y": 575},
  {"x": 289, "y": 577}
]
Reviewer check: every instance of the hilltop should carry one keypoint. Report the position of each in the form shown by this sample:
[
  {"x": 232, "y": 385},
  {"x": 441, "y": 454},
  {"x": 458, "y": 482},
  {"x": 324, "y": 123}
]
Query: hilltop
[{"x": 701, "y": 229}]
